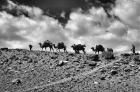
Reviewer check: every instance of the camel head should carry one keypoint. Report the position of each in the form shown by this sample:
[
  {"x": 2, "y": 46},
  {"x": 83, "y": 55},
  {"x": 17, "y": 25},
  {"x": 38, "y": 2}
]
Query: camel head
[
  {"x": 40, "y": 44},
  {"x": 92, "y": 48},
  {"x": 84, "y": 45},
  {"x": 103, "y": 49},
  {"x": 73, "y": 46},
  {"x": 54, "y": 46}
]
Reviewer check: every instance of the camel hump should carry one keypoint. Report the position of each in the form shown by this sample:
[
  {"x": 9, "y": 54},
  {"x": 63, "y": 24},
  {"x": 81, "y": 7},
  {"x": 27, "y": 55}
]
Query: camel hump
[
  {"x": 47, "y": 41},
  {"x": 79, "y": 44},
  {"x": 61, "y": 43},
  {"x": 99, "y": 48},
  {"x": 92, "y": 48}
]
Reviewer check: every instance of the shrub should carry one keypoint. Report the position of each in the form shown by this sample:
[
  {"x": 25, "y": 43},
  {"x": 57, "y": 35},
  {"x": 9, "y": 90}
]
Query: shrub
[
  {"x": 136, "y": 58},
  {"x": 92, "y": 63},
  {"x": 125, "y": 62},
  {"x": 14, "y": 57},
  {"x": 93, "y": 57},
  {"x": 54, "y": 57},
  {"x": 108, "y": 55},
  {"x": 25, "y": 58},
  {"x": 136, "y": 53},
  {"x": 103, "y": 70},
  {"x": 30, "y": 60},
  {"x": 113, "y": 72},
  {"x": 128, "y": 69},
  {"x": 4, "y": 49},
  {"x": 126, "y": 55},
  {"x": 71, "y": 54},
  {"x": 0, "y": 53},
  {"x": 17, "y": 81},
  {"x": 102, "y": 78}
]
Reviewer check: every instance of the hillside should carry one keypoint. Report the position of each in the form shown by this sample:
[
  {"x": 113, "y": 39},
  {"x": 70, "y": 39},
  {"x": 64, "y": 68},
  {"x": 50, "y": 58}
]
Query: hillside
[{"x": 40, "y": 71}]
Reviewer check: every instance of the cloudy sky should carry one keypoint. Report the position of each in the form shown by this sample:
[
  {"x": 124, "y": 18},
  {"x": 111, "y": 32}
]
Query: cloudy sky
[{"x": 112, "y": 23}]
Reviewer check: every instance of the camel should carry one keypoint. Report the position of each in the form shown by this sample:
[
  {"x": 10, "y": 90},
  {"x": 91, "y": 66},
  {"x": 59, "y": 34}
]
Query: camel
[
  {"x": 98, "y": 48},
  {"x": 46, "y": 44},
  {"x": 41, "y": 45},
  {"x": 60, "y": 46},
  {"x": 78, "y": 48}
]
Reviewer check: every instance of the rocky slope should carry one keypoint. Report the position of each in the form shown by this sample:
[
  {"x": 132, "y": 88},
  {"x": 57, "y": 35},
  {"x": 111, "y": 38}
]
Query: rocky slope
[{"x": 33, "y": 71}]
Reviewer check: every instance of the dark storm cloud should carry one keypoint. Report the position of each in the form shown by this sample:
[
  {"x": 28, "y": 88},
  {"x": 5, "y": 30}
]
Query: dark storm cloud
[
  {"x": 14, "y": 10},
  {"x": 54, "y": 8}
]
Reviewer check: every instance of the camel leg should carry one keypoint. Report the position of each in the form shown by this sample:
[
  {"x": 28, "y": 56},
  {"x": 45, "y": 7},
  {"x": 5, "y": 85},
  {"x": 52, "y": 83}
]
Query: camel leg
[
  {"x": 56, "y": 50},
  {"x": 78, "y": 52},
  {"x": 65, "y": 50},
  {"x": 50, "y": 49},
  {"x": 84, "y": 51}
]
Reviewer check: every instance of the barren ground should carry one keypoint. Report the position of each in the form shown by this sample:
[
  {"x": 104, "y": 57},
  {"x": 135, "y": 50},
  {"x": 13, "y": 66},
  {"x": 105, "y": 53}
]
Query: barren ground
[{"x": 39, "y": 72}]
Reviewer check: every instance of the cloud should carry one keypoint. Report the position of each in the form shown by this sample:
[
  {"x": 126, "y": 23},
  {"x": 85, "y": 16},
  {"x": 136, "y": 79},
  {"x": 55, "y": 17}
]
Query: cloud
[
  {"x": 118, "y": 29},
  {"x": 87, "y": 24},
  {"x": 20, "y": 10},
  {"x": 18, "y": 32},
  {"x": 92, "y": 27},
  {"x": 54, "y": 8},
  {"x": 128, "y": 11},
  {"x": 6, "y": 25}
]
